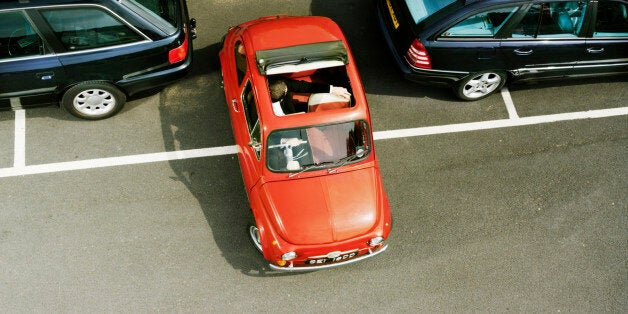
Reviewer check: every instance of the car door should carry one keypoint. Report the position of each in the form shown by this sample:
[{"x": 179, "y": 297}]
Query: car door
[
  {"x": 241, "y": 100},
  {"x": 93, "y": 43},
  {"x": 29, "y": 71},
  {"x": 547, "y": 40},
  {"x": 607, "y": 46},
  {"x": 472, "y": 43}
]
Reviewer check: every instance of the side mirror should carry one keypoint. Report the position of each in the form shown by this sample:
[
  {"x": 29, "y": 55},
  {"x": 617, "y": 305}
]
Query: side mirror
[{"x": 257, "y": 146}]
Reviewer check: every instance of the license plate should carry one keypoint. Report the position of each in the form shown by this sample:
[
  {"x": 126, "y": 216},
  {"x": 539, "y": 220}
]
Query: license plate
[
  {"x": 393, "y": 17},
  {"x": 325, "y": 260}
]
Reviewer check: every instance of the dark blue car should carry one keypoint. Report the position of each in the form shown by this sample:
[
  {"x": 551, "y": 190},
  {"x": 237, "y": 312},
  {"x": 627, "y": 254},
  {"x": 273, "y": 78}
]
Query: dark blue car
[
  {"x": 90, "y": 55},
  {"x": 475, "y": 46}
]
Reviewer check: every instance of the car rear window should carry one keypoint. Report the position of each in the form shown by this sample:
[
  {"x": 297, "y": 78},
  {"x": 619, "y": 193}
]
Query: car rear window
[
  {"x": 161, "y": 13},
  {"x": 421, "y": 9}
]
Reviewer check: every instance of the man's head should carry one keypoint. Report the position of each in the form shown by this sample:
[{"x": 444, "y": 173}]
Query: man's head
[{"x": 278, "y": 89}]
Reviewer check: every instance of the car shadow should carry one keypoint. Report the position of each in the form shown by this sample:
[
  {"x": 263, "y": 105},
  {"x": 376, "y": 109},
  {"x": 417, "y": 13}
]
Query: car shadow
[
  {"x": 379, "y": 73},
  {"x": 194, "y": 115}
]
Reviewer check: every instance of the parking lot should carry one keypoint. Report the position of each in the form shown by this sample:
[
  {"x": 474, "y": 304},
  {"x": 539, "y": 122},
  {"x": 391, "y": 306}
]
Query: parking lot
[{"x": 513, "y": 203}]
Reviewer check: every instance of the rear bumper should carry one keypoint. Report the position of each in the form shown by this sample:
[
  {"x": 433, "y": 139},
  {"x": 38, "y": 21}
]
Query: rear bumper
[
  {"x": 143, "y": 82},
  {"x": 427, "y": 76}
]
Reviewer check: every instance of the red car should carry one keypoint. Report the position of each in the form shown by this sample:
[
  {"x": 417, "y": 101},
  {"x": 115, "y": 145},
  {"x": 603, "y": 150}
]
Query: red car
[{"x": 303, "y": 131}]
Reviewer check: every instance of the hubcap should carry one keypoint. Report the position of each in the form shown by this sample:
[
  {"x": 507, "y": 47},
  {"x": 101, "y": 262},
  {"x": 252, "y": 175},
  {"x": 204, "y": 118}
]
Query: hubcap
[
  {"x": 254, "y": 233},
  {"x": 482, "y": 85},
  {"x": 92, "y": 102}
]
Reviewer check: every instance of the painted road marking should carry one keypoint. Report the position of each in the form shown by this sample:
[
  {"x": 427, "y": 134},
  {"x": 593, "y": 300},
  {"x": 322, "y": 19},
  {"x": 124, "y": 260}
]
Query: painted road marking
[
  {"x": 510, "y": 106},
  {"x": 380, "y": 135},
  {"x": 118, "y": 161},
  {"x": 19, "y": 145},
  {"x": 494, "y": 124}
]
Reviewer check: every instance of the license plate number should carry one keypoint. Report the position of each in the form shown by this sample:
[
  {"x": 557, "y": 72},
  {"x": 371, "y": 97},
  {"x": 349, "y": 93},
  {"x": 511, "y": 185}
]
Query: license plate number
[
  {"x": 326, "y": 260},
  {"x": 393, "y": 17}
]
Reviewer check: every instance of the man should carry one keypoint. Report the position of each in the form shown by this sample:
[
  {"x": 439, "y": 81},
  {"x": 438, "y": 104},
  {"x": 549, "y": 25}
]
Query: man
[{"x": 280, "y": 93}]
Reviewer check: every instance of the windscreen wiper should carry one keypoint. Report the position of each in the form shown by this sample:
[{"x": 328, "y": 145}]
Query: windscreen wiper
[
  {"x": 307, "y": 168},
  {"x": 344, "y": 160}
]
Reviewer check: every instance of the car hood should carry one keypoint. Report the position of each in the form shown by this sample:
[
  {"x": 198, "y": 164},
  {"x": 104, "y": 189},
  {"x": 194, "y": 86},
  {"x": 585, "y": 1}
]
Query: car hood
[{"x": 325, "y": 209}]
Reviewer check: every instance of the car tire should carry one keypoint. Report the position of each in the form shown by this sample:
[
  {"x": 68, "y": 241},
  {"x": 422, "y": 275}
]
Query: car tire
[
  {"x": 93, "y": 100},
  {"x": 480, "y": 85},
  {"x": 253, "y": 232}
]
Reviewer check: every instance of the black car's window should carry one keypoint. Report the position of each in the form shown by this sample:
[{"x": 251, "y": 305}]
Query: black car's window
[
  {"x": 612, "y": 19},
  {"x": 87, "y": 28},
  {"x": 421, "y": 9},
  {"x": 252, "y": 120},
  {"x": 166, "y": 9},
  {"x": 161, "y": 13},
  {"x": 485, "y": 24},
  {"x": 551, "y": 20},
  {"x": 17, "y": 37}
]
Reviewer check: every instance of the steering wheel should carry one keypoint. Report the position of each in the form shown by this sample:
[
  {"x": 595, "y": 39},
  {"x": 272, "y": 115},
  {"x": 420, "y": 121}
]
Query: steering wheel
[{"x": 14, "y": 34}]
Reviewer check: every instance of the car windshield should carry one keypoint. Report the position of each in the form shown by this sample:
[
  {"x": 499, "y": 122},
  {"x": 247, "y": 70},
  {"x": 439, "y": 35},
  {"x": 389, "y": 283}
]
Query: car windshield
[
  {"x": 421, "y": 9},
  {"x": 328, "y": 146}
]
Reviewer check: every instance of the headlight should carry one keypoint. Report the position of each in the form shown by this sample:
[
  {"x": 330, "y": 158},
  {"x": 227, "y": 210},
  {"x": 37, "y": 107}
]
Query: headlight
[
  {"x": 376, "y": 241},
  {"x": 288, "y": 256}
]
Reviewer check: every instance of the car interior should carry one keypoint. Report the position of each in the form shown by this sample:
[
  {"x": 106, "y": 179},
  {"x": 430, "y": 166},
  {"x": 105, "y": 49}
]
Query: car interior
[
  {"x": 17, "y": 37},
  {"x": 87, "y": 28},
  {"x": 315, "y": 102},
  {"x": 612, "y": 19},
  {"x": 296, "y": 149}
]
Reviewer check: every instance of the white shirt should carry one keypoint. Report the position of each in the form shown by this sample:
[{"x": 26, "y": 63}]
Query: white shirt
[{"x": 277, "y": 109}]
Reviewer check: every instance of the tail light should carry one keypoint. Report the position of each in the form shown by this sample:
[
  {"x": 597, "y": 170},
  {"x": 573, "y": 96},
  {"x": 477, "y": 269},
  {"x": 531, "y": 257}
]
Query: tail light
[
  {"x": 179, "y": 54},
  {"x": 417, "y": 56}
]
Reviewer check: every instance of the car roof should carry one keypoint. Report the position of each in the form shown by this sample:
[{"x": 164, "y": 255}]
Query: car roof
[{"x": 21, "y": 4}]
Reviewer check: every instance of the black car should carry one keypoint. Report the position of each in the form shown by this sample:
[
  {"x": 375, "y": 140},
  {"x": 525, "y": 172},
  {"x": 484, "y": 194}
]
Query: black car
[
  {"x": 475, "y": 46},
  {"x": 90, "y": 55}
]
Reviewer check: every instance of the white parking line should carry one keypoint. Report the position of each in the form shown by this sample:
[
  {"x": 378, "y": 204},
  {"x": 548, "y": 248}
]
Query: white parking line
[
  {"x": 19, "y": 146},
  {"x": 510, "y": 106},
  {"x": 118, "y": 161},
  {"x": 494, "y": 124},
  {"x": 381, "y": 135}
]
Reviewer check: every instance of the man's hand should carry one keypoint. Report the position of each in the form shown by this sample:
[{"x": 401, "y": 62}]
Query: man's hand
[{"x": 340, "y": 91}]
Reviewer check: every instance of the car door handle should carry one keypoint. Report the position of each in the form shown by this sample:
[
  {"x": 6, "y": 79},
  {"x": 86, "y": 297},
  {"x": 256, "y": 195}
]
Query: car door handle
[
  {"x": 234, "y": 104},
  {"x": 44, "y": 76},
  {"x": 523, "y": 52},
  {"x": 595, "y": 50}
]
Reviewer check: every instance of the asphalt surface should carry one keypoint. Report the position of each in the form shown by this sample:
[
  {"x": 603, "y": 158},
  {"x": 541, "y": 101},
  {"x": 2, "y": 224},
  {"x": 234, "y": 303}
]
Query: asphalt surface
[{"x": 529, "y": 218}]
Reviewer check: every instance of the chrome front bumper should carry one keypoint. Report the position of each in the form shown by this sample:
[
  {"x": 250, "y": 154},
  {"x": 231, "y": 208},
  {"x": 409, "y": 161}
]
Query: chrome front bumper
[{"x": 325, "y": 266}]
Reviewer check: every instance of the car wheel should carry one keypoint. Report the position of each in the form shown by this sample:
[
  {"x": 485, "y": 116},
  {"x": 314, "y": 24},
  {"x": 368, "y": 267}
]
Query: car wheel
[
  {"x": 93, "y": 100},
  {"x": 479, "y": 85},
  {"x": 255, "y": 237}
]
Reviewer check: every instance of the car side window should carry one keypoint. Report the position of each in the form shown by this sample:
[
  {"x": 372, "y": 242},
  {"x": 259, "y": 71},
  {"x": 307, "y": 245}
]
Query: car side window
[
  {"x": 612, "y": 19},
  {"x": 485, "y": 24},
  {"x": 17, "y": 37},
  {"x": 240, "y": 58},
  {"x": 551, "y": 20},
  {"x": 252, "y": 119},
  {"x": 88, "y": 28}
]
